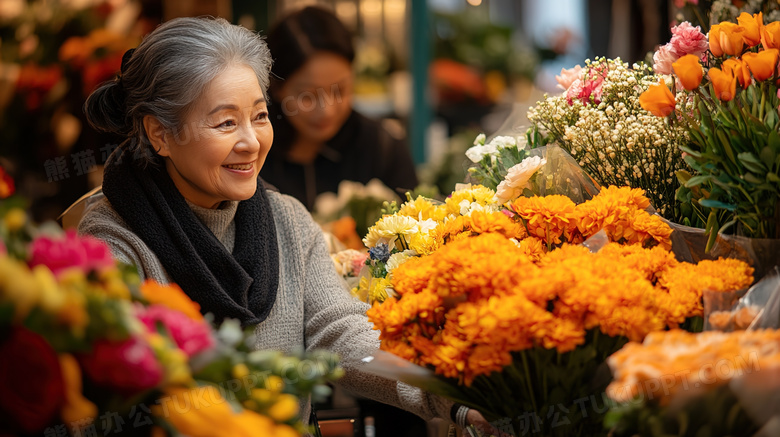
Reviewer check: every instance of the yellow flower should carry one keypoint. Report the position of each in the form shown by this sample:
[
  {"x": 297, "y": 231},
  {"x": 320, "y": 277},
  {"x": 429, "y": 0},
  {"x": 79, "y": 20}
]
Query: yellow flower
[
  {"x": 15, "y": 219},
  {"x": 172, "y": 359},
  {"x": 477, "y": 194},
  {"x": 274, "y": 383},
  {"x": 388, "y": 230},
  {"x": 658, "y": 100},
  {"x": 263, "y": 395},
  {"x": 423, "y": 209},
  {"x": 285, "y": 408},
  {"x": 424, "y": 244},
  {"x": 240, "y": 371},
  {"x": 18, "y": 286},
  {"x": 378, "y": 290}
]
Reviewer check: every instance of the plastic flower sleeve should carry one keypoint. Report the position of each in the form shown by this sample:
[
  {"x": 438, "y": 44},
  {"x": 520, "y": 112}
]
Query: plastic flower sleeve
[
  {"x": 688, "y": 244},
  {"x": 562, "y": 175},
  {"x": 766, "y": 295}
]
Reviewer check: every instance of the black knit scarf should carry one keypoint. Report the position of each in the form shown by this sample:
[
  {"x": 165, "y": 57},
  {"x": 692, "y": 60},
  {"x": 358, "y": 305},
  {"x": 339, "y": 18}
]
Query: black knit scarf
[{"x": 241, "y": 285}]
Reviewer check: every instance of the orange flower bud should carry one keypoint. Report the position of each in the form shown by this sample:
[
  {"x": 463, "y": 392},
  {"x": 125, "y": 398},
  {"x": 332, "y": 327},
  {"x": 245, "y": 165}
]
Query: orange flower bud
[
  {"x": 726, "y": 38},
  {"x": 658, "y": 100},
  {"x": 739, "y": 69},
  {"x": 689, "y": 71},
  {"x": 770, "y": 35},
  {"x": 725, "y": 84},
  {"x": 762, "y": 64},
  {"x": 753, "y": 25}
]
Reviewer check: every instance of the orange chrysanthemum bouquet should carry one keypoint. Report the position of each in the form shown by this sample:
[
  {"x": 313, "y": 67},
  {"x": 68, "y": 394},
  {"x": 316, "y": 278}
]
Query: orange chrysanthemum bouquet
[
  {"x": 712, "y": 383},
  {"x": 734, "y": 125},
  {"x": 513, "y": 305}
]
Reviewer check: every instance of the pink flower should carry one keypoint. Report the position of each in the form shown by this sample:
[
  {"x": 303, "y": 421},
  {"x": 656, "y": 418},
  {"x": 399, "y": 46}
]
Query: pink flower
[
  {"x": 574, "y": 91},
  {"x": 681, "y": 3},
  {"x": 358, "y": 262},
  {"x": 664, "y": 58},
  {"x": 128, "y": 367},
  {"x": 190, "y": 336},
  {"x": 589, "y": 88},
  {"x": 568, "y": 77},
  {"x": 688, "y": 40},
  {"x": 3, "y": 250},
  {"x": 59, "y": 254}
]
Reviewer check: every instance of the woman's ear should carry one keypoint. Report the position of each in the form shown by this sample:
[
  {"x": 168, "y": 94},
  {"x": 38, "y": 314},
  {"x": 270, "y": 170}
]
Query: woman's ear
[{"x": 155, "y": 131}]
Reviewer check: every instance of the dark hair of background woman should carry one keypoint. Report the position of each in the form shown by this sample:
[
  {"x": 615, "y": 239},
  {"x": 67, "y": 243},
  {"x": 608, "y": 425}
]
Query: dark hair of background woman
[{"x": 300, "y": 35}]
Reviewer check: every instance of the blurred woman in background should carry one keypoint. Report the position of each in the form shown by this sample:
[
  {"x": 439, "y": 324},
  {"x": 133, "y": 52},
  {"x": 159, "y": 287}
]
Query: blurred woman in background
[{"x": 320, "y": 139}]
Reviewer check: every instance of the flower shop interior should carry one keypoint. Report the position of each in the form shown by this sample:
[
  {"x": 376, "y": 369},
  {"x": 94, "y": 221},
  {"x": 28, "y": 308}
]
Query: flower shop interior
[{"x": 619, "y": 158}]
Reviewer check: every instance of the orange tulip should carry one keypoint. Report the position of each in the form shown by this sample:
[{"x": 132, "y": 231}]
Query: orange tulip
[
  {"x": 738, "y": 68},
  {"x": 725, "y": 83},
  {"x": 770, "y": 35},
  {"x": 658, "y": 100},
  {"x": 753, "y": 25},
  {"x": 762, "y": 64},
  {"x": 688, "y": 71},
  {"x": 726, "y": 38}
]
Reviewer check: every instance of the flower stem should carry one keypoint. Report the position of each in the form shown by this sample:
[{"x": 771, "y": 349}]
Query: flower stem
[{"x": 528, "y": 378}]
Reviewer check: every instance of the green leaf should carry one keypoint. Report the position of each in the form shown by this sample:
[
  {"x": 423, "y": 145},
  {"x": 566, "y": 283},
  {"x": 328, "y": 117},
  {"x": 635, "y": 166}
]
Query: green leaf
[
  {"x": 768, "y": 156},
  {"x": 773, "y": 141},
  {"x": 695, "y": 181},
  {"x": 683, "y": 176},
  {"x": 772, "y": 177},
  {"x": 750, "y": 177},
  {"x": 709, "y": 203}
]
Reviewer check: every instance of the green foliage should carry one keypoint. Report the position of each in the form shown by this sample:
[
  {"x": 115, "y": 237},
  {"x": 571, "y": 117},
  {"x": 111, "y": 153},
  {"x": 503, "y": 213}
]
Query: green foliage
[{"x": 735, "y": 151}]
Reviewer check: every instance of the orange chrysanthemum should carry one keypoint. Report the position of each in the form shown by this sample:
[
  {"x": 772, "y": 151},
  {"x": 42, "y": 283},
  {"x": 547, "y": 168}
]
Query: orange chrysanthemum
[{"x": 550, "y": 218}]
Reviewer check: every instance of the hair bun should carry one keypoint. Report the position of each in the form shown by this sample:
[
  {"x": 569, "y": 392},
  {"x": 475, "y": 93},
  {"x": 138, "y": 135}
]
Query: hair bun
[{"x": 106, "y": 108}]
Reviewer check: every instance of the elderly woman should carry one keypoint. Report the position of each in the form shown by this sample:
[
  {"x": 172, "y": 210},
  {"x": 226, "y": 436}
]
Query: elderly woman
[{"x": 183, "y": 201}]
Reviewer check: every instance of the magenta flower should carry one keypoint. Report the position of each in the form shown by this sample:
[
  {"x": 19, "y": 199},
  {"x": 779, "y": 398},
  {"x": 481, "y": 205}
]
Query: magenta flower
[
  {"x": 128, "y": 367},
  {"x": 190, "y": 336},
  {"x": 73, "y": 251}
]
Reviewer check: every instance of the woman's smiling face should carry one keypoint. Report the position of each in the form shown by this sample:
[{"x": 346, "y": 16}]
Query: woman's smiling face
[{"x": 223, "y": 142}]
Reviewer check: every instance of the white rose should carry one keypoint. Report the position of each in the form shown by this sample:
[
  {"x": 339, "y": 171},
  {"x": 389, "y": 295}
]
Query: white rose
[{"x": 517, "y": 178}]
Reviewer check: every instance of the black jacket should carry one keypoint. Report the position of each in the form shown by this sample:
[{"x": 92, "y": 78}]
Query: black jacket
[{"x": 362, "y": 150}]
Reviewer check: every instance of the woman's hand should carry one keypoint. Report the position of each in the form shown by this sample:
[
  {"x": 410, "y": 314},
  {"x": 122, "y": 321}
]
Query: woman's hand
[{"x": 475, "y": 418}]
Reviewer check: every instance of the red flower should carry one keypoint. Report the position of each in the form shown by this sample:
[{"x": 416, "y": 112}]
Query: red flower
[
  {"x": 31, "y": 387},
  {"x": 128, "y": 367},
  {"x": 7, "y": 187},
  {"x": 59, "y": 254}
]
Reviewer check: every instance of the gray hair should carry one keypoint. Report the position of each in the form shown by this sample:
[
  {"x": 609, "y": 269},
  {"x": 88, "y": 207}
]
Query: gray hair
[{"x": 168, "y": 72}]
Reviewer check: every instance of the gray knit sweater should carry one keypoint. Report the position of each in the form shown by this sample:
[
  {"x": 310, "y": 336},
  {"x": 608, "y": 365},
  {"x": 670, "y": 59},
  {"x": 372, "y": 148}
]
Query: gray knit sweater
[{"x": 312, "y": 308}]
